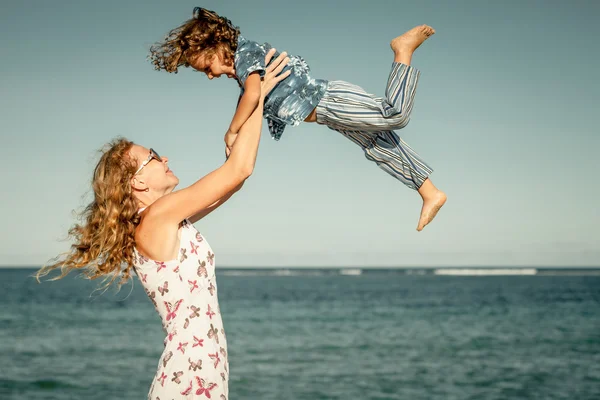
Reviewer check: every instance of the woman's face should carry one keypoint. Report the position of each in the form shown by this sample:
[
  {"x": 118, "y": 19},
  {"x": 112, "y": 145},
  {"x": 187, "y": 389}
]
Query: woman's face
[{"x": 152, "y": 171}]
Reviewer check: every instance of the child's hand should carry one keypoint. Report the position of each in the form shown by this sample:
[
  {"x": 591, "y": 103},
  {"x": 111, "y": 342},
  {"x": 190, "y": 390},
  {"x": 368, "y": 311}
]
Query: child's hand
[{"x": 230, "y": 138}]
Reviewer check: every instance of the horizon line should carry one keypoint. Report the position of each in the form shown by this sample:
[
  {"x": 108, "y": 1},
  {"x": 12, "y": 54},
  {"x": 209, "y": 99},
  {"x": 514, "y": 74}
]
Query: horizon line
[{"x": 28, "y": 266}]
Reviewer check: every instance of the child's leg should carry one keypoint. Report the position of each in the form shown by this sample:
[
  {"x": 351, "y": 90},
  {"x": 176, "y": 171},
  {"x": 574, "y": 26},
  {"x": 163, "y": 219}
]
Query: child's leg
[
  {"x": 405, "y": 45},
  {"x": 433, "y": 200},
  {"x": 402, "y": 81},
  {"x": 355, "y": 109},
  {"x": 398, "y": 159},
  {"x": 392, "y": 155}
]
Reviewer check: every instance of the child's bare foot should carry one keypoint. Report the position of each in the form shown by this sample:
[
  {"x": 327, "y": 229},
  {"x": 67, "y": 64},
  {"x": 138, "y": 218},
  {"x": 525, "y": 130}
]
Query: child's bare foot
[
  {"x": 431, "y": 206},
  {"x": 406, "y": 44}
]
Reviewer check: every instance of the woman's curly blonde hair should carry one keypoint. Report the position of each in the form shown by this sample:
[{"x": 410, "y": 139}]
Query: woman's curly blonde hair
[
  {"x": 104, "y": 241},
  {"x": 205, "y": 34}
]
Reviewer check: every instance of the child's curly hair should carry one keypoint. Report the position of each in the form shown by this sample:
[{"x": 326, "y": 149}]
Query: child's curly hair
[{"x": 206, "y": 34}]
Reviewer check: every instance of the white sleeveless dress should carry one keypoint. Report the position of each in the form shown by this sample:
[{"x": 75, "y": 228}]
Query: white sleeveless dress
[{"x": 194, "y": 362}]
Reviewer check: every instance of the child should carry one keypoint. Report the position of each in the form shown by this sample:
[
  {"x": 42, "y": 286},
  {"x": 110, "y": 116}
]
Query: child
[{"x": 210, "y": 43}]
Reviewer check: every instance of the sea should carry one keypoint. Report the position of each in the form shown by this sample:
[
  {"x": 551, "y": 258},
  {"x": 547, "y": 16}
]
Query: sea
[{"x": 320, "y": 333}]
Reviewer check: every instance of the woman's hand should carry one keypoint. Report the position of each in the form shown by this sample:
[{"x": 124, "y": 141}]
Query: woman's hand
[{"x": 272, "y": 73}]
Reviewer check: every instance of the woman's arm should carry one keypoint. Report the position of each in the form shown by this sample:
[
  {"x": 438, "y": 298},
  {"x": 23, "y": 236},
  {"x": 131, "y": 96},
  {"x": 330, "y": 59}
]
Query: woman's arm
[
  {"x": 215, "y": 205},
  {"x": 218, "y": 185}
]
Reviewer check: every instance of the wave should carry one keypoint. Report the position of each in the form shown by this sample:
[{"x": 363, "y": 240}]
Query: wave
[
  {"x": 485, "y": 271},
  {"x": 44, "y": 384}
]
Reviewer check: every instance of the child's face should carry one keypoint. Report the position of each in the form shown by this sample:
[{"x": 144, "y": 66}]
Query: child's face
[{"x": 213, "y": 67}]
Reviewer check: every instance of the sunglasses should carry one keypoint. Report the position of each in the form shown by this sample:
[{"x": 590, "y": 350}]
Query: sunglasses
[{"x": 152, "y": 156}]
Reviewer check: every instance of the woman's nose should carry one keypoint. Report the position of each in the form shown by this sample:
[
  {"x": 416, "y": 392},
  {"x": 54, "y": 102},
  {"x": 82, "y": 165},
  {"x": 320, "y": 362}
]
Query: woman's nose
[{"x": 165, "y": 159}]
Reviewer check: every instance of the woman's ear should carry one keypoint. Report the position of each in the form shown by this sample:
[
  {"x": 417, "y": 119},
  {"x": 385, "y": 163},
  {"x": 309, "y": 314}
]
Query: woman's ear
[{"x": 138, "y": 185}]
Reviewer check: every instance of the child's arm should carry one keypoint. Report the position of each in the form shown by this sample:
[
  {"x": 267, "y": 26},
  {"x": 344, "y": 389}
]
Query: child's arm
[{"x": 247, "y": 103}]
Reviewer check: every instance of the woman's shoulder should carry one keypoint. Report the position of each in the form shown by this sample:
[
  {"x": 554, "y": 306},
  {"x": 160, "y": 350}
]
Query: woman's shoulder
[{"x": 150, "y": 242}]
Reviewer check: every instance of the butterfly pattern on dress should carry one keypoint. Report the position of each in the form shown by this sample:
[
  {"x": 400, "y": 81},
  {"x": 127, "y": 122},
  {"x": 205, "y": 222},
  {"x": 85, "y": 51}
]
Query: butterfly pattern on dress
[
  {"x": 167, "y": 358},
  {"x": 183, "y": 256},
  {"x": 215, "y": 357},
  {"x": 193, "y": 285},
  {"x": 194, "y": 248},
  {"x": 160, "y": 265},
  {"x": 164, "y": 288},
  {"x": 204, "y": 388},
  {"x": 202, "y": 271},
  {"x": 176, "y": 376},
  {"x": 194, "y": 365},
  {"x": 195, "y": 312},
  {"x": 209, "y": 312},
  {"x": 184, "y": 293}
]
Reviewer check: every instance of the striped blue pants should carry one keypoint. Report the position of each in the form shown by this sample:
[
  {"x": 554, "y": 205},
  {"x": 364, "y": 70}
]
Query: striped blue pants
[{"x": 370, "y": 121}]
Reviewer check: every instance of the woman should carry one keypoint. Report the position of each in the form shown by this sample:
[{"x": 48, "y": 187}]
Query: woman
[{"x": 137, "y": 221}]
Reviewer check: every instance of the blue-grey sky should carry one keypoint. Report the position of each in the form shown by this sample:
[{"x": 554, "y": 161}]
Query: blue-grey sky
[{"x": 505, "y": 114}]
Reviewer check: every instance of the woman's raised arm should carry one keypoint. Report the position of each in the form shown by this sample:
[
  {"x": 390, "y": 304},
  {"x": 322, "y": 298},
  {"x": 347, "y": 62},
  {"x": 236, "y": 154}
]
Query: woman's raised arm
[{"x": 218, "y": 185}]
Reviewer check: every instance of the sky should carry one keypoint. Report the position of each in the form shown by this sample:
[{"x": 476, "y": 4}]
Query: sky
[{"x": 505, "y": 113}]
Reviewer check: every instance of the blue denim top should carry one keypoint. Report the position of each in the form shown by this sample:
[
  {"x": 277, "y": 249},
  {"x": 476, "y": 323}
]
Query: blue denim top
[{"x": 293, "y": 99}]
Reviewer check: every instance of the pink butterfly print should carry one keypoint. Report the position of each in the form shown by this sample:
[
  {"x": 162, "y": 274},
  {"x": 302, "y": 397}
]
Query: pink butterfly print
[
  {"x": 223, "y": 376},
  {"x": 167, "y": 358},
  {"x": 142, "y": 259},
  {"x": 176, "y": 376},
  {"x": 188, "y": 390},
  {"x": 183, "y": 255},
  {"x": 202, "y": 272},
  {"x": 210, "y": 312},
  {"x": 205, "y": 390},
  {"x": 213, "y": 333},
  {"x": 144, "y": 277},
  {"x": 162, "y": 378},
  {"x": 223, "y": 352},
  {"x": 198, "y": 342},
  {"x": 199, "y": 237},
  {"x": 164, "y": 289},
  {"x": 172, "y": 310},
  {"x": 160, "y": 265},
  {"x": 194, "y": 248},
  {"x": 176, "y": 269},
  {"x": 194, "y": 365},
  {"x": 152, "y": 296},
  {"x": 171, "y": 335},
  {"x": 182, "y": 347},
  {"x": 193, "y": 285},
  {"x": 187, "y": 323},
  {"x": 215, "y": 357},
  {"x": 210, "y": 257},
  {"x": 211, "y": 289},
  {"x": 195, "y": 312}
]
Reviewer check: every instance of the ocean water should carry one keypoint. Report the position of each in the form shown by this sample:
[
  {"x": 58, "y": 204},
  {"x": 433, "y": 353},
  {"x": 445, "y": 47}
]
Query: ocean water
[{"x": 383, "y": 334}]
